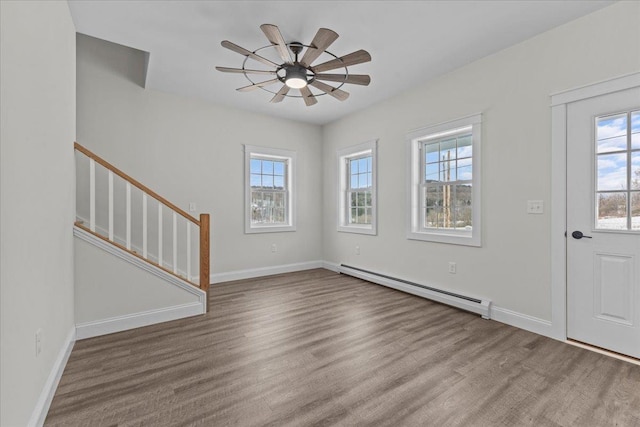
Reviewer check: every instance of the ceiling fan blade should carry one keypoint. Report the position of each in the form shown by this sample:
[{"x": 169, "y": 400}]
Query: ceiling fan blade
[
  {"x": 242, "y": 70},
  {"x": 257, "y": 85},
  {"x": 242, "y": 51},
  {"x": 307, "y": 96},
  {"x": 330, "y": 90},
  {"x": 322, "y": 40},
  {"x": 356, "y": 79},
  {"x": 354, "y": 58},
  {"x": 275, "y": 37},
  {"x": 281, "y": 94}
]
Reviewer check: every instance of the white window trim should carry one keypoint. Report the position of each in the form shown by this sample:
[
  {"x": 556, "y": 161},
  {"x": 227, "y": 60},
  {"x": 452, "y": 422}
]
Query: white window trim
[
  {"x": 342, "y": 155},
  {"x": 414, "y": 138},
  {"x": 252, "y": 150}
]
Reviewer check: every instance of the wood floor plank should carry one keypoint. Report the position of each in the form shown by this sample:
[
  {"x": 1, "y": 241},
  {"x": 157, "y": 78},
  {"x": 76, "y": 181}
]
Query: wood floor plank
[{"x": 319, "y": 348}]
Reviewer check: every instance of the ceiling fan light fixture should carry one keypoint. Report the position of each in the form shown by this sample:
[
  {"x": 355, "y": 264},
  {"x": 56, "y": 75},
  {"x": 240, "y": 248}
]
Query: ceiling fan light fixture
[
  {"x": 296, "y": 83},
  {"x": 296, "y": 77}
]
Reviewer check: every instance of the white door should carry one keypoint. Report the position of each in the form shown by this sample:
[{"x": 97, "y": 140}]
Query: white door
[{"x": 603, "y": 205}]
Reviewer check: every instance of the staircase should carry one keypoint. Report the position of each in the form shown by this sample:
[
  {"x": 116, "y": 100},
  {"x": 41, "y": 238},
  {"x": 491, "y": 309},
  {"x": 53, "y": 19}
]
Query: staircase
[{"x": 123, "y": 218}]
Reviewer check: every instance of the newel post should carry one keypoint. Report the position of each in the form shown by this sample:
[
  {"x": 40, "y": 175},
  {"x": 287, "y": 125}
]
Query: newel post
[{"x": 204, "y": 254}]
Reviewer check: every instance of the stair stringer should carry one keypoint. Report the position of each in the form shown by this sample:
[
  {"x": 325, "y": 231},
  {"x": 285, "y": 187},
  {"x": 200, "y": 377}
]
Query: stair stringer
[{"x": 127, "y": 314}]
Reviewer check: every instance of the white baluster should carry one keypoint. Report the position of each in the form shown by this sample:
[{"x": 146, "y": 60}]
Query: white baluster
[
  {"x": 128, "y": 232},
  {"x": 111, "y": 206},
  {"x": 160, "y": 234},
  {"x": 175, "y": 243},
  {"x": 188, "y": 250},
  {"x": 144, "y": 225},
  {"x": 92, "y": 195}
]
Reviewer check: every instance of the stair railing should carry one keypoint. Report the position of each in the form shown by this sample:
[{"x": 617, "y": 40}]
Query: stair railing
[{"x": 106, "y": 229}]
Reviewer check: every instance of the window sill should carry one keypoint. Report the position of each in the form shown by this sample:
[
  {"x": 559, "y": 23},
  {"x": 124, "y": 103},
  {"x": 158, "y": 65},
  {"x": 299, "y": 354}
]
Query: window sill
[
  {"x": 450, "y": 237},
  {"x": 364, "y": 229},
  {"x": 269, "y": 229}
]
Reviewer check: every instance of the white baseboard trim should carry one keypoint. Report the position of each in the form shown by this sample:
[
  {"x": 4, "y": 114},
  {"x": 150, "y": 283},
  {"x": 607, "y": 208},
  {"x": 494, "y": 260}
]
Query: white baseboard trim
[
  {"x": 522, "y": 321},
  {"x": 327, "y": 265},
  {"x": 138, "y": 320},
  {"x": 264, "y": 271},
  {"x": 39, "y": 413}
]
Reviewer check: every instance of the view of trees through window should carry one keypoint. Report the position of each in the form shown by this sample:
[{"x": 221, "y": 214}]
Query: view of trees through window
[
  {"x": 268, "y": 191},
  {"x": 447, "y": 187},
  {"x": 360, "y": 188},
  {"x": 618, "y": 171}
]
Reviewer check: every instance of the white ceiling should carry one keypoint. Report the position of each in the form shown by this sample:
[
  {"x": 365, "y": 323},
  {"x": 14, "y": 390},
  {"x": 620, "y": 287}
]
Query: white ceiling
[{"x": 410, "y": 41}]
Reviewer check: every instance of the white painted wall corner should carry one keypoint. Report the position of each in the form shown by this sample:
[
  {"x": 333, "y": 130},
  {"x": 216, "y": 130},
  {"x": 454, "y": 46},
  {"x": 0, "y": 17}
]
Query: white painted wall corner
[{"x": 332, "y": 266}]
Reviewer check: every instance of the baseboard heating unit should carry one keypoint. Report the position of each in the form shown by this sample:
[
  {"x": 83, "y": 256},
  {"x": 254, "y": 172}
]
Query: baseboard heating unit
[{"x": 474, "y": 305}]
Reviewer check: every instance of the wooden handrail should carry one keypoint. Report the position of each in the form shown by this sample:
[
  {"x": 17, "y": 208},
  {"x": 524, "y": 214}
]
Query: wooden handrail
[{"x": 135, "y": 183}]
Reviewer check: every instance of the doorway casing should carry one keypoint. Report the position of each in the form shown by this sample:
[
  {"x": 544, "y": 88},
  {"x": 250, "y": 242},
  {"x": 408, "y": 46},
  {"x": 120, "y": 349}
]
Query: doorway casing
[{"x": 559, "y": 103}]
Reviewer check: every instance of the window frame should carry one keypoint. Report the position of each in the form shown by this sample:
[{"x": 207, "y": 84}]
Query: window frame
[
  {"x": 415, "y": 181},
  {"x": 265, "y": 153},
  {"x": 343, "y": 156}
]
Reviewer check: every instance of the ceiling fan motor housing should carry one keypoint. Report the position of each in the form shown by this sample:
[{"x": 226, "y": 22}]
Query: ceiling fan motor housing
[{"x": 295, "y": 76}]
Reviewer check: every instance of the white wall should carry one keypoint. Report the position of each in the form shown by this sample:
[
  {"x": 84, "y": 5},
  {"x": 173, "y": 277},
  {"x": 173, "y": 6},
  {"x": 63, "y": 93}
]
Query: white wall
[
  {"x": 511, "y": 89},
  {"x": 191, "y": 151},
  {"x": 37, "y": 103}
]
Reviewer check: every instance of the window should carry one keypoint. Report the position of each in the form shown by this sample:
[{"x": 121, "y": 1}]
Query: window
[
  {"x": 444, "y": 202},
  {"x": 269, "y": 195},
  {"x": 357, "y": 188},
  {"x": 618, "y": 171}
]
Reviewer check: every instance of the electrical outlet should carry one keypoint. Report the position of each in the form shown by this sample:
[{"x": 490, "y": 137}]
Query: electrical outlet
[
  {"x": 38, "y": 342},
  {"x": 192, "y": 206},
  {"x": 535, "y": 206},
  {"x": 274, "y": 248},
  {"x": 357, "y": 250},
  {"x": 452, "y": 267}
]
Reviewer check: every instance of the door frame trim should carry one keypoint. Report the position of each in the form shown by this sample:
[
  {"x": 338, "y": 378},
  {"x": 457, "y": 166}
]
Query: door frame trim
[{"x": 559, "y": 103}]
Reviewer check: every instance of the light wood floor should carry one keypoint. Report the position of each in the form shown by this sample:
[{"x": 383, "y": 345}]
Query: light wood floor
[{"x": 318, "y": 348}]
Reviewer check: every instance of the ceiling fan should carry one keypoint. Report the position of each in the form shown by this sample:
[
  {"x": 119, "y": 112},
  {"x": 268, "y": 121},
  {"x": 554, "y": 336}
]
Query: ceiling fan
[{"x": 299, "y": 73}]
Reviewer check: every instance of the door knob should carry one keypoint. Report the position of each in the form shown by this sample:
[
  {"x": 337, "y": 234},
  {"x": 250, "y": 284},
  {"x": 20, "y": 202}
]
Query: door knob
[{"x": 578, "y": 235}]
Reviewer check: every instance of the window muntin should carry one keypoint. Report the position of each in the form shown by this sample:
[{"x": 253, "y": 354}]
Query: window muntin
[
  {"x": 360, "y": 189},
  {"x": 357, "y": 188},
  {"x": 617, "y": 165},
  {"x": 444, "y": 176},
  {"x": 269, "y": 190},
  {"x": 448, "y": 179}
]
